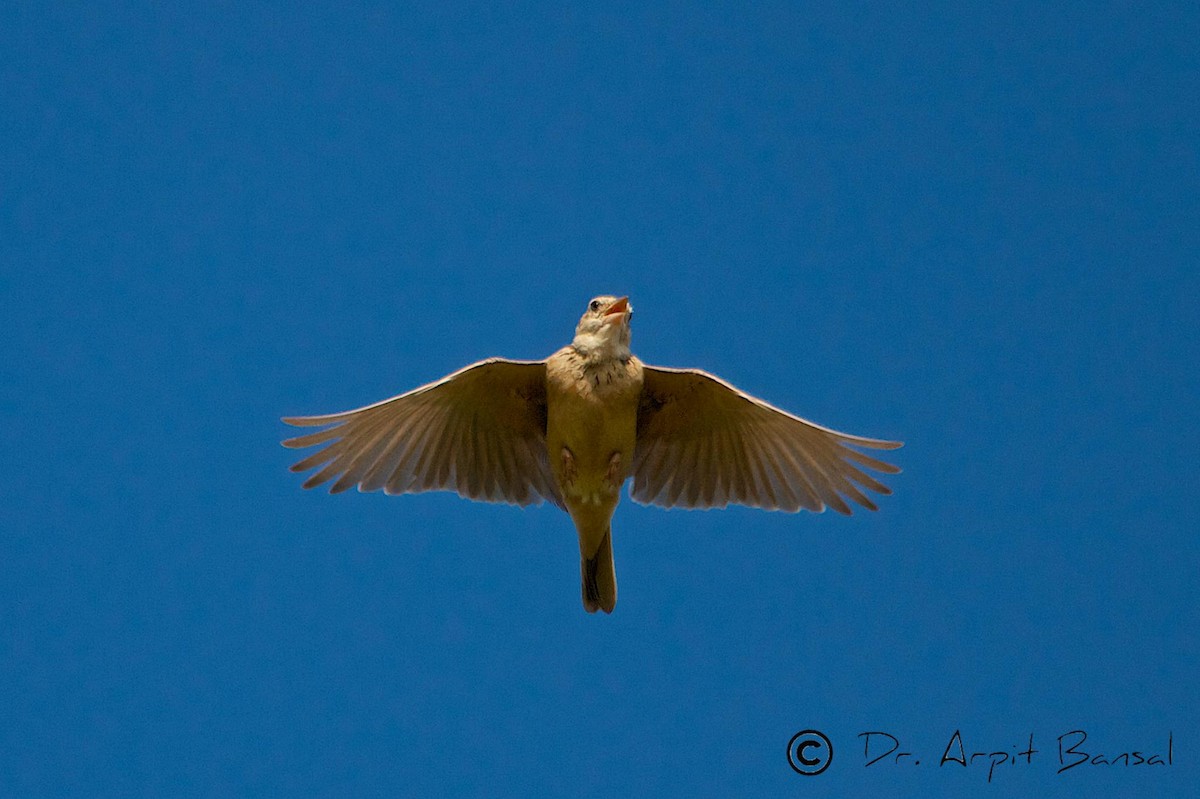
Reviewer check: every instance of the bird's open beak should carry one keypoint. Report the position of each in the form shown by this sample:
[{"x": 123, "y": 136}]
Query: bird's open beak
[{"x": 618, "y": 307}]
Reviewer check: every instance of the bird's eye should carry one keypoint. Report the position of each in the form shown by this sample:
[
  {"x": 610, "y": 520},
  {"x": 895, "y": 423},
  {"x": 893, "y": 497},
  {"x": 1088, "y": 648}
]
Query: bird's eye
[{"x": 594, "y": 305}]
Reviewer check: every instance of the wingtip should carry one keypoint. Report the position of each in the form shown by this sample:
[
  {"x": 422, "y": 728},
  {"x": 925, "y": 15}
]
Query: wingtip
[
  {"x": 313, "y": 421},
  {"x": 874, "y": 443},
  {"x": 314, "y": 481},
  {"x": 868, "y": 504}
]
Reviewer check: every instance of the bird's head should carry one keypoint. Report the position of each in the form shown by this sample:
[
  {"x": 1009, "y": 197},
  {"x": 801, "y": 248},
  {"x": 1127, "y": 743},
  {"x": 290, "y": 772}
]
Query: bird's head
[{"x": 603, "y": 331}]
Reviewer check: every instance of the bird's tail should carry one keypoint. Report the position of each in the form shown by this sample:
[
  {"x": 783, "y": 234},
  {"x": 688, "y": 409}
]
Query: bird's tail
[{"x": 599, "y": 577}]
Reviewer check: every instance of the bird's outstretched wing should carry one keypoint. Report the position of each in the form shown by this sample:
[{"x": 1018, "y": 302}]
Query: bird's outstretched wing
[
  {"x": 480, "y": 431},
  {"x": 701, "y": 443}
]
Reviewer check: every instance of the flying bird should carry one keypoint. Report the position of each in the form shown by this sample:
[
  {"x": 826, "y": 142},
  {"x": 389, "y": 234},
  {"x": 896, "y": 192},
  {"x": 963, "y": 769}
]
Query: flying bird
[{"x": 572, "y": 428}]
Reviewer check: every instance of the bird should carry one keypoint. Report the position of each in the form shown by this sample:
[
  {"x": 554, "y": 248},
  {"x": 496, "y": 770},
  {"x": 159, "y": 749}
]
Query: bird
[{"x": 573, "y": 428}]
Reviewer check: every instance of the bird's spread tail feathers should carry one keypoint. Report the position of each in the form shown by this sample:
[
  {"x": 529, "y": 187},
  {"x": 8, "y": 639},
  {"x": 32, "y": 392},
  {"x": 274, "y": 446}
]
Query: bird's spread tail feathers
[{"x": 599, "y": 577}]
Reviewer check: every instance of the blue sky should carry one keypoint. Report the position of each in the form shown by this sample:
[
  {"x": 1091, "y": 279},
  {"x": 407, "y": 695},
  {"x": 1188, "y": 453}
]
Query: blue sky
[{"x": 971, "y": 228}]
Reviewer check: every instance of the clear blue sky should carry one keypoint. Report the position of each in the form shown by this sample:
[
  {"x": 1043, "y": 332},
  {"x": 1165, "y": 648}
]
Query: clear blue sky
[{"x": 971, "y": 228}]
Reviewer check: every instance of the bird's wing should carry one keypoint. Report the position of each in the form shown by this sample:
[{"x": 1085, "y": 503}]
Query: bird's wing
[
  {"x": 480, "y": 431},
  {"x": 701, "y": 443}
]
